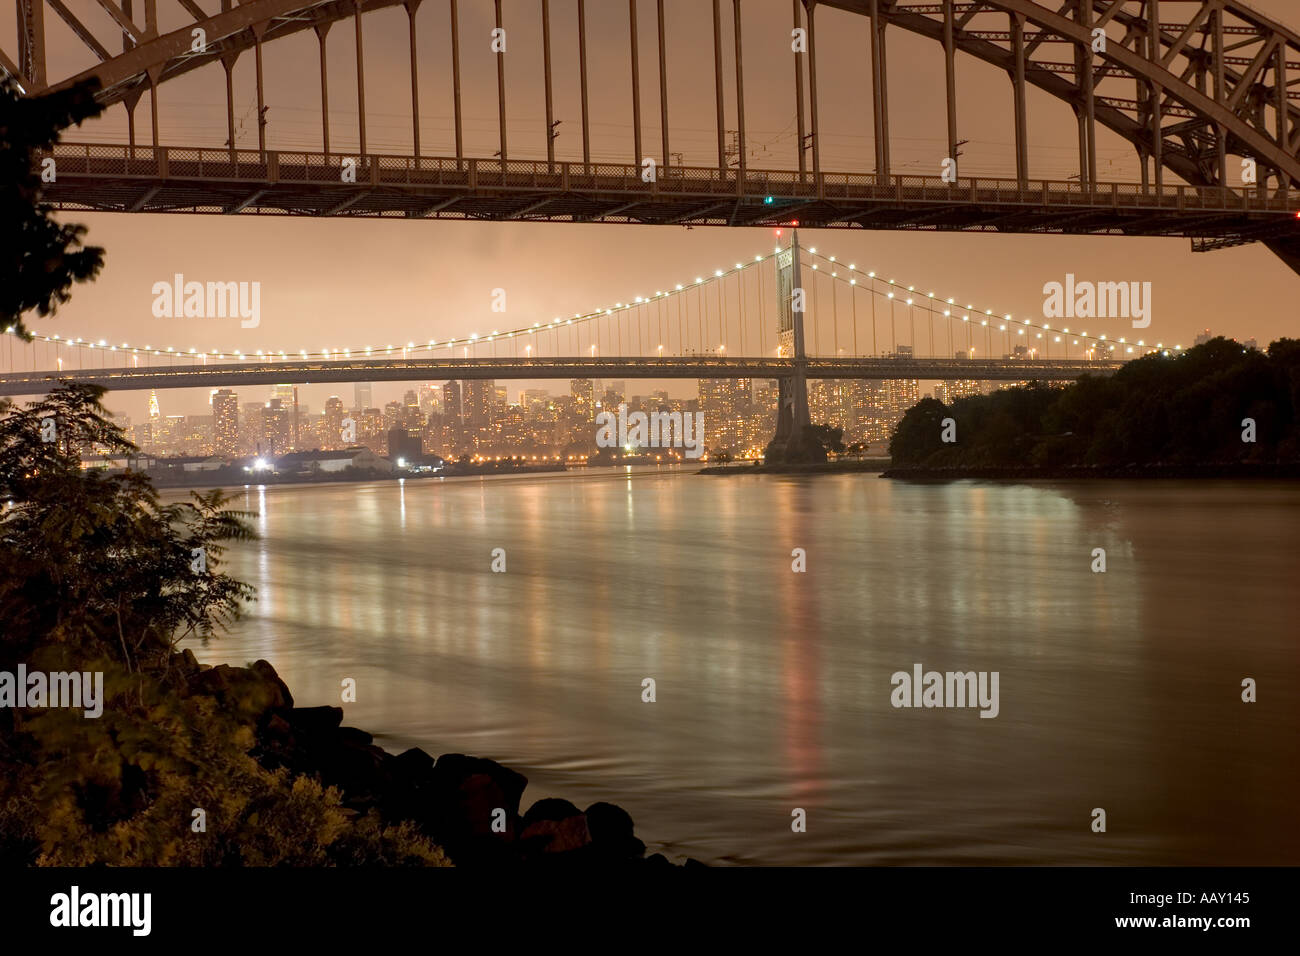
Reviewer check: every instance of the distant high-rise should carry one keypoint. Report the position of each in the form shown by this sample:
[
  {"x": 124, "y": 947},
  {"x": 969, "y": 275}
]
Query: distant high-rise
[
  {"x": 225, "y": 423},
  {"x": 334, "y": 415},
  {"x": 479, "y": 397},
  {"x": 362, "y": 396},
  {"x": 727, "y": 405},
  {"x": 583, "y": 391},
  {"x": 276, "y": 427},
  {"x": 430, "y": 400},
  {"x": 1202, "y": 337}
]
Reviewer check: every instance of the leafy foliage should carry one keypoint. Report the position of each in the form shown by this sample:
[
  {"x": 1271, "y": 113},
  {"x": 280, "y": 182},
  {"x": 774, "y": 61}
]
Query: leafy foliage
[
  {"x": 97, "y": 573},
  {"x": 40, "y": 259},
  {"x": 97, "y": 560},
  {"x": 1155, "y": 410}
]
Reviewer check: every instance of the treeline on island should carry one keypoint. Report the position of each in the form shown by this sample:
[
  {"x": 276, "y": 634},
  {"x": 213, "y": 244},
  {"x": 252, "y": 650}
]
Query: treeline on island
[{"x": 1219, "y": 408}]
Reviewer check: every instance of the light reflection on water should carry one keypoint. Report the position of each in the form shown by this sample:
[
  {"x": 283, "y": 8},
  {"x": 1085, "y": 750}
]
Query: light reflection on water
[{"x": 1118, "y": 690}]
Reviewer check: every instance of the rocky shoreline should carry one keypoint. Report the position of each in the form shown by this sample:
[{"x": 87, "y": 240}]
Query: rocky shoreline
[{"x": 454, "y": 799}]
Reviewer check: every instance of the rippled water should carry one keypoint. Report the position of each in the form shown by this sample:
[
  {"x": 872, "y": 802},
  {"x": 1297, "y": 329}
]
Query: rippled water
[{"x": 1119, "y": 690}]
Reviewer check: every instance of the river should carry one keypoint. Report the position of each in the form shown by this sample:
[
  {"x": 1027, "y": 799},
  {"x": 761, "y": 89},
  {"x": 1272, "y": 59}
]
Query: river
[{"x": 1119, "y": 690}]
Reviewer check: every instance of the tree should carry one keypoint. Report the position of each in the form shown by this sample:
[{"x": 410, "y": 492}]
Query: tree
[
  {"x": 96, "y": 561},
  {"x": 98, "y": 575},
  {"x": 40, "y": 259},
  {"x": 829, "y": 437}
]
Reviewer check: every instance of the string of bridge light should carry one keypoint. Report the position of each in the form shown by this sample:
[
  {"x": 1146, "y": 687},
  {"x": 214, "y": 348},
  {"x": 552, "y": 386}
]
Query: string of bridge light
[
  {"x": 538, "y": 328},
  {"x": 1008, "y": 321},
  {"x": 470, "y": 341}
]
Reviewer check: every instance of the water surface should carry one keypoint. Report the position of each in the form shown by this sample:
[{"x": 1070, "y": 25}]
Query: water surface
[{"x": 1119, "y": 690}]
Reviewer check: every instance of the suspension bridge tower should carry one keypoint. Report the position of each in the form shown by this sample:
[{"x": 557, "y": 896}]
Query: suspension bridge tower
[{"x": 792, "y": 421}]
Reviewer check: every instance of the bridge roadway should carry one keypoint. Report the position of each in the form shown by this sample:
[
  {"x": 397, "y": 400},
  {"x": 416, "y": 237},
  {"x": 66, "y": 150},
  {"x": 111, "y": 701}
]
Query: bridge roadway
[
  {"x": 224, "y": 375},
  {"x": 119, "y": 178}
]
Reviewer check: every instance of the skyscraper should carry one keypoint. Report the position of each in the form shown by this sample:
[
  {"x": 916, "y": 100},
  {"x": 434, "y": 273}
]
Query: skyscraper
[
  {"x": 361, "y": 395},
  {"x": 275, "y": 427},
  {"x": 334, "y": 415},
  {"x": 225, "y": 423},
  {"x": 584, "y": 398}
]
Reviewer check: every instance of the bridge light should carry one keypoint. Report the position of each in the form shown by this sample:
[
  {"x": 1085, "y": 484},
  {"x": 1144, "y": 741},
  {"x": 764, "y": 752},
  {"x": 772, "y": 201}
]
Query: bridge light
[
  {"x": 947, "y": 312},
  {"x": 814, "y": 267},
  {"x": 871, "y": 275},
  {"x": 832, "y": 257},
  {"x": 909, "y": 301},
  {"x": 853, "y": 282},
  {"x": 950, "y": 302},
  {"x": 699, "y": 279},
  {"x": 813, "y": 251},
  {"x": 717, "y": 272},
  {"x": 758, "y": 258},
  {"x": 985, "y": 322},
  {"x": 740, "y": 265},
  {"x": 891, "y": 295},
  {"x": 931, "y": 295}
]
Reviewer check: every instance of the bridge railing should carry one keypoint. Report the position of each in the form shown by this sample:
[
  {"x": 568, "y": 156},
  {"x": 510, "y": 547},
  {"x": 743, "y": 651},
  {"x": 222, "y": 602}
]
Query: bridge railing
[{"x": 281, "y": 166}]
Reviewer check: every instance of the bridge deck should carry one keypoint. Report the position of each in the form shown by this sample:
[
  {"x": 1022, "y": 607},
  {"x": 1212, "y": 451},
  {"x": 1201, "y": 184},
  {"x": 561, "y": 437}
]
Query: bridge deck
[
  {"x": 413, "y": 370},
  {"x": 221, "y": 181}
]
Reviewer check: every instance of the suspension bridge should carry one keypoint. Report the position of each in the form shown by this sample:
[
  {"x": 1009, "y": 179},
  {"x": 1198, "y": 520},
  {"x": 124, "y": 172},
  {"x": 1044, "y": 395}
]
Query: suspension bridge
[
  {"x": 788, "y": 315},
  {"x": 1203, "y": 91}
]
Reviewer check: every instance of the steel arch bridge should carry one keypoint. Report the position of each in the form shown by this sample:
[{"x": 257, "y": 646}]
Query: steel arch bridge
[{"x": 1195, "y": 86}]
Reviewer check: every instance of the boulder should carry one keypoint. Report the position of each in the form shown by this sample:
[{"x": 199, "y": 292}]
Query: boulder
[
  {"x": 462, "y": 796},
  {"x": 553, "y": 826},
  {"x": 315, "y": 721},
  {"x": 611, "y": 833}
]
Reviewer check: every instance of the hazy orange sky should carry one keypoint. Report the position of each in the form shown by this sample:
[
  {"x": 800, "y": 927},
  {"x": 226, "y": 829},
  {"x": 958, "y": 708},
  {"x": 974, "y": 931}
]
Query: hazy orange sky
[{"x": 344, "y": 283}]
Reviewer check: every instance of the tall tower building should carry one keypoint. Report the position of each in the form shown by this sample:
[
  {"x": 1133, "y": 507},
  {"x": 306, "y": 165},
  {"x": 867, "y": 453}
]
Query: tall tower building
[
  {"x": 225, "y": 423},
  {"x": 583, "y": 391},
  {"x": 362, "y": 398},
  {"x": 276, "y": 427},
  {"x": 334, "y": 415}
]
